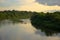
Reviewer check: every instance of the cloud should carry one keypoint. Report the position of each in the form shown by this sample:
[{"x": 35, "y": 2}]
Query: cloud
[
  {"x": 49, "y": 2},
  {"x": 26, "y": 5},
  {"x": 38, "y": 7},
  {"x": 8, "y": 3},
  {"x": 1, "y": 1}
]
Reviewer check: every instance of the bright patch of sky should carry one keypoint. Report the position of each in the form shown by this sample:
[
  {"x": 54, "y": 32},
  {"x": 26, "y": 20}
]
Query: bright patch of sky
[{"x": 30, "y": 5}]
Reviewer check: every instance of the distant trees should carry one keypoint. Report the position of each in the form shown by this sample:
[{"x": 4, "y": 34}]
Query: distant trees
[
  {"x": 47, "y": 22},
  {"x": 15, "y": 15}
]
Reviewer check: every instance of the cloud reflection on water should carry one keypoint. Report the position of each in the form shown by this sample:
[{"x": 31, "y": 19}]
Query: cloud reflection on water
[{"x": 19, "y": 31}]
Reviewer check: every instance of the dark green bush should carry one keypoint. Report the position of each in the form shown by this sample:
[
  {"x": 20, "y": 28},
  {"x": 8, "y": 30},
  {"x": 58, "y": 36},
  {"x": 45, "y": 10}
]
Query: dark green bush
[{"x": 48, "y": 22}]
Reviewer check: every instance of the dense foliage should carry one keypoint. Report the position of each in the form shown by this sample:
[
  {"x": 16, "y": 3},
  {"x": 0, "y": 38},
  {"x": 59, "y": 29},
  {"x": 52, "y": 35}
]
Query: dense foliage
[
  {"x": 15, "y": 15},
  {"x": 47, "y": 22}
]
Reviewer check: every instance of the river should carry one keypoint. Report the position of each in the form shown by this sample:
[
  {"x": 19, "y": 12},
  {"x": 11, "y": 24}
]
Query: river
[{"x": 22, "y": 31}]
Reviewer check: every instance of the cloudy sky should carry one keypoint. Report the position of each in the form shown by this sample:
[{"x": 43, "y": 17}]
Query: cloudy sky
[{"x": 30, "y": 5}]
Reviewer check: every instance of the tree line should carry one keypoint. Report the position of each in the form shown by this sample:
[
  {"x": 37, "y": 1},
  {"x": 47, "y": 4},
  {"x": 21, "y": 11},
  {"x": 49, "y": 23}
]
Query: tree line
[
  {"x": 47, "y": 22},
  {"x": 15, "y": 15}
]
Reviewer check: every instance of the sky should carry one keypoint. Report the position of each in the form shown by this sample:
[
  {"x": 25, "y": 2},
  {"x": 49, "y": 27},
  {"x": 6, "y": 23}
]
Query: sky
[{"x": 30, "y": 5}]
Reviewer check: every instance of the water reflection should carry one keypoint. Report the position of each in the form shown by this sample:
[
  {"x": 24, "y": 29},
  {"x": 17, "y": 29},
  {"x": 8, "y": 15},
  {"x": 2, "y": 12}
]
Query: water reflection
[{"x": 22, "y": 31}]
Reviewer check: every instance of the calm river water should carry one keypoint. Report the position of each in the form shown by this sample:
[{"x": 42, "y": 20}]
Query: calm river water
[{"x": 22, "y": 31}]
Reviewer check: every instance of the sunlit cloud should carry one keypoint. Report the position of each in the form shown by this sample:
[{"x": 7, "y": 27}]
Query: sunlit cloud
[
  {"x": 26, "y": 5},
  {"x": 38, "y": 7}
]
